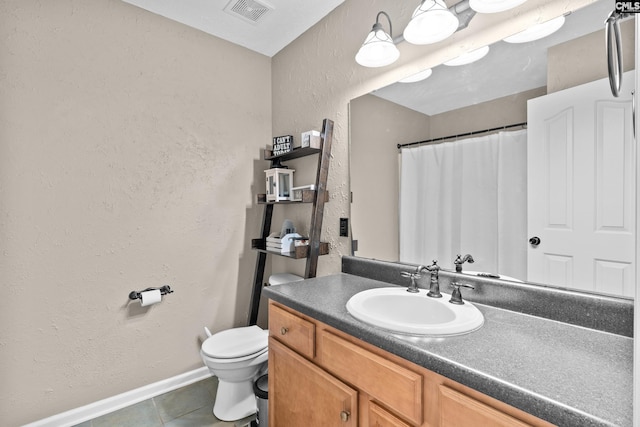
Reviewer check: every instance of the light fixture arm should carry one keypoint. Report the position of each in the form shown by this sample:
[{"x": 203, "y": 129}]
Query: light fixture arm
[
  {"x": 377, "y": 26},
  {"x": 464, "y": 13}
]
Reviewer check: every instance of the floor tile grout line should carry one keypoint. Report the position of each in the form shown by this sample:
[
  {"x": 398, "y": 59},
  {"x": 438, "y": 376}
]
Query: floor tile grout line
[{"x": 155, "y": 407}]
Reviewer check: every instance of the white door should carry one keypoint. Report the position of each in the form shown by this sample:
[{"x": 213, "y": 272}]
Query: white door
[{"x": 581, "y": 188}]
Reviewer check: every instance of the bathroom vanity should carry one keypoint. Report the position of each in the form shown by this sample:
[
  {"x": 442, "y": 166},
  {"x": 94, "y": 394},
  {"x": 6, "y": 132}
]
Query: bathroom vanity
[
  {"x": 327, "y": 368},
  {"x": 323, "y": 377}
]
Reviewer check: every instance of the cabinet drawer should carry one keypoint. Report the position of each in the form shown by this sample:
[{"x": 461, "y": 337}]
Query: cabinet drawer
[
  {"x": 394, "y": 386},
  {"x": 379, "y": 417},
  {"x": 458, "y": 409},
  {"x": 296, "y": 332}
]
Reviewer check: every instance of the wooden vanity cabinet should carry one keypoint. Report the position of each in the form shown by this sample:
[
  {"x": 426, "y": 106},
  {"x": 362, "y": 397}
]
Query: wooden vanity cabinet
[
  {"x": 302, "y": 394},
  {"x": 322, "y": 377}
]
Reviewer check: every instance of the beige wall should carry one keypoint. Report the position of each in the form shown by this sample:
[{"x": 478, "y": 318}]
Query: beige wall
[
  {"x": 503, "y": 111},
  {"x": 376, "y": 127},
  {"x": 129, "y": 157},
  {"x": 583, "y": 60}
]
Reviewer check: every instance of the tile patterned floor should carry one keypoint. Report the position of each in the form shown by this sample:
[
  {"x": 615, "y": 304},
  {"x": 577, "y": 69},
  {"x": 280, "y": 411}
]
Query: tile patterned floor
[{"x": 190, "y": 406}]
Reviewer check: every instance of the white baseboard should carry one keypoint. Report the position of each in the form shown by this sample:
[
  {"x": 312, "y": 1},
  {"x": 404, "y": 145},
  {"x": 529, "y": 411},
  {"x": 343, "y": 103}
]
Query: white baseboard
[{"x": 110, "y": 404}]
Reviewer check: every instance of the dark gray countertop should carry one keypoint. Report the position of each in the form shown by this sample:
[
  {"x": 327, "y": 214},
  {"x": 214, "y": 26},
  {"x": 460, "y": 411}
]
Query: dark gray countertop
[{"x": 565, "y": 374}]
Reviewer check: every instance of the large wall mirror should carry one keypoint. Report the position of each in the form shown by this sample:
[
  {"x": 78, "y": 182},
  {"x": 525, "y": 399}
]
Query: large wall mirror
[{"x": 524, "y": 92}]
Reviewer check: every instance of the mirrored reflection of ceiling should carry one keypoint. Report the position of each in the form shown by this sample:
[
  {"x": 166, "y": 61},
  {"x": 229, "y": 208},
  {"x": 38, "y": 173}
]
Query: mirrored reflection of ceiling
[
  {"x": 264, "y": 26},
  {"x": 507, "y": 69}
]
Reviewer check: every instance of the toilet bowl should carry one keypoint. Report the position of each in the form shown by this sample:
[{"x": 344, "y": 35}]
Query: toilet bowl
[{"x": 237, "y": 357}]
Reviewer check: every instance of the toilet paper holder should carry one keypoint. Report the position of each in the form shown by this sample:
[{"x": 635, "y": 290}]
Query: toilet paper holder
[{"x": 166, "y": 289}]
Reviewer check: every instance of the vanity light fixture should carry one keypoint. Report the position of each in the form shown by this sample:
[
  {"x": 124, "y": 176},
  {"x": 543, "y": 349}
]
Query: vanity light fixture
[
  {"x": 537, "y": 31},
  {"x": 431, "y": 22},
  {"x": 494, "y": 6},
  {"x": 378, "y": 48},
  {"x": 469, "y": 57},
  {"x": 419, "y": 76}
]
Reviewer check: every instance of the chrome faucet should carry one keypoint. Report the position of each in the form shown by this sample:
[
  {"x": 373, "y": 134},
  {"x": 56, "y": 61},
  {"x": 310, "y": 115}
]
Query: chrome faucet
[
  {"x": 413, "y": 287},
  {"x": 461, "y": 260},
  {"x": 434, "y": 284}
]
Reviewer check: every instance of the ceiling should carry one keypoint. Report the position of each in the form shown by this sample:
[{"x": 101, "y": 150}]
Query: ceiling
[
  {"x": 507, "y": 69},
  {"x": 267, "y": 26},
  {"x": 264, "y": 26}
]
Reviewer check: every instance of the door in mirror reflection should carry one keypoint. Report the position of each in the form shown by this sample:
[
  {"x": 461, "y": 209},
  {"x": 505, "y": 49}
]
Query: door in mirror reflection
[{"x": 579, "y": 139}]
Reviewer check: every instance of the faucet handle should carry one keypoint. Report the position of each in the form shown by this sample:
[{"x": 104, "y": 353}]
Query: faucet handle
[
  {"x": 456, "y": 295},
  {"x": 410, "y": 274},
  {"x": 413, "y": 288}
]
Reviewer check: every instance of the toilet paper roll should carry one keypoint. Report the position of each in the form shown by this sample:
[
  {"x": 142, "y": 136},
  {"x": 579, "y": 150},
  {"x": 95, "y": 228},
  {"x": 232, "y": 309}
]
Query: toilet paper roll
[{"x": 150, "y": 297}]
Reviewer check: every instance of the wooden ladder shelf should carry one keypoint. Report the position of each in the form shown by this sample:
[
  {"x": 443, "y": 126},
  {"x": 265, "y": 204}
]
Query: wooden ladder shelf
[{"x": 317, "y": 197}]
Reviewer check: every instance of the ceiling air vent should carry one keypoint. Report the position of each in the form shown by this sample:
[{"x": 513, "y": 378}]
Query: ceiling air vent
[{"x": 251, "y": 11}]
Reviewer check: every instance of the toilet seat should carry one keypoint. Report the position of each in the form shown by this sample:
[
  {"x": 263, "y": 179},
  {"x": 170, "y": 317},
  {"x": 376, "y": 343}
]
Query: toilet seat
[
  {"x": 237, "y": 343},
  {"x": 222, "y": 361}
]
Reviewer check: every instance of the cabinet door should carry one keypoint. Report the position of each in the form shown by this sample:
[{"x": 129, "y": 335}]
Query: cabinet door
[
  {"x": 301, "y": 394},
  {"x": 458, "y": 409},
  {"x": 378, "y": 417}
]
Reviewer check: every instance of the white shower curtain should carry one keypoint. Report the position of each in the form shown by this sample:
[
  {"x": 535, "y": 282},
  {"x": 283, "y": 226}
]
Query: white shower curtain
[{"x": 466, "y": 196}]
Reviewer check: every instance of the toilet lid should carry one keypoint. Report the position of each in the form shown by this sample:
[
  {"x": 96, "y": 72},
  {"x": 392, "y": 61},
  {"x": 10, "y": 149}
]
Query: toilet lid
[{"x": 236, "y": 342}]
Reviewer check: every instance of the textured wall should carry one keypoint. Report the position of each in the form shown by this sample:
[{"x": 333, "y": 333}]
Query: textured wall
[
  {"x": 129, "y": 149},
  {"x": 583, "y": 60},
  {"x": 376, "y": 127},
  {"x": 316, "y": 77}
]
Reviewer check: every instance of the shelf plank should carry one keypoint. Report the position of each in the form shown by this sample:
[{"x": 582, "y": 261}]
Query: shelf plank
[
  {"x": 308, "y": 196},
  {"x": 300, "y": 252},
  {"x": 296, "y": 153}
]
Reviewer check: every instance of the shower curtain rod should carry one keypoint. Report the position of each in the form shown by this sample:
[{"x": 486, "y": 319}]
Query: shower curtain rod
[{"x": 475, "y": 132}]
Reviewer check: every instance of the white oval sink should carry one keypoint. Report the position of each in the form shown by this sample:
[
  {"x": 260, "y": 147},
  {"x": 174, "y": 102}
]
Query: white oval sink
[{"x": 397, "y": 310}]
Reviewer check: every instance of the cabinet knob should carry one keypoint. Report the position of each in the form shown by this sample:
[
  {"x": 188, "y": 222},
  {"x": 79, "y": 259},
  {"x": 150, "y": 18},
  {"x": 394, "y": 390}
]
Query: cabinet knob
[
  {"x": 344, "y": 416},
  {"x": 283, "y": 330}
]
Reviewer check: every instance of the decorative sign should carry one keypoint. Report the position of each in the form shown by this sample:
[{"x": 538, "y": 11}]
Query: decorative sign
[{"x": 282, "y": 144}]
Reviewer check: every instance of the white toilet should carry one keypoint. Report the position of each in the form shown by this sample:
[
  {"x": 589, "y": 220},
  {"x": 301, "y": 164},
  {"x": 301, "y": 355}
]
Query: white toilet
[{"x": 237, "y": 357}]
